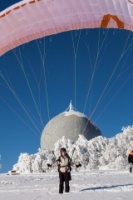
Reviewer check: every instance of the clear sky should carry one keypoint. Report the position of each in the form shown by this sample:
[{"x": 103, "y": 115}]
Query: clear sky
[{"x": 40, "y": 78}]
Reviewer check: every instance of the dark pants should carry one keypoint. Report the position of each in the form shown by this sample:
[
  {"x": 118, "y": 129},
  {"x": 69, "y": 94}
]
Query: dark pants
[
  {"x": 64, "y": 177},
  {"x": 131, "y": 167}
]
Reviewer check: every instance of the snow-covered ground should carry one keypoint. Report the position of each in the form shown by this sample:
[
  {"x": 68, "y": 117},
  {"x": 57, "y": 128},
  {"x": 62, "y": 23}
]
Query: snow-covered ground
[
  {"x": 94, "y": 185},
  {"x": 95, "y": 180}
]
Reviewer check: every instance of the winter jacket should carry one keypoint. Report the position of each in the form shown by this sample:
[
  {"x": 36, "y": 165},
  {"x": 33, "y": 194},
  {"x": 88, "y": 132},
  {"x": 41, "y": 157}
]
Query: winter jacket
[
  {"x": 64, "y": 164},
  {"x": 130, "y": 158}
]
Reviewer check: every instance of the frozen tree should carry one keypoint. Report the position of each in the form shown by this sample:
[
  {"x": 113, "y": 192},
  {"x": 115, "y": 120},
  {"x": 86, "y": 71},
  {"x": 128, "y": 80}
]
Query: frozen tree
[{"x": 98, "y": 153}]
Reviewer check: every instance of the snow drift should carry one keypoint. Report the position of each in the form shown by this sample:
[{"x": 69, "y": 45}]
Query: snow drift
[{"x": 98, "y": 153}]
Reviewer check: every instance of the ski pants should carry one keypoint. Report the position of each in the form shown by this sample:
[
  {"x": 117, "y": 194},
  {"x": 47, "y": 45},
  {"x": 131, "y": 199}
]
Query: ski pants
[
  {"x": 130, "y": 167},
  {"x": 64, "y": 177}
]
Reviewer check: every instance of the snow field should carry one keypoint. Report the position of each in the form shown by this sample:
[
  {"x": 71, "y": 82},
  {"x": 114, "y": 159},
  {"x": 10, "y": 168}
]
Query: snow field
[{"x": 96, "y": 185}]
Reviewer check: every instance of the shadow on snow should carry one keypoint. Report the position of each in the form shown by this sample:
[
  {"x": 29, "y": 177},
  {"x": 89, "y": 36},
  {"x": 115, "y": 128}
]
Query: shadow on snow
[{"x": 105, "y": 187}]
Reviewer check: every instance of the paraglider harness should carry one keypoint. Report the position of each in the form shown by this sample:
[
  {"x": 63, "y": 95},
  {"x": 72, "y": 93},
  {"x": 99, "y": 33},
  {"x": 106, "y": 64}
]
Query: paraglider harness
[{"x": 69, "y": 163}]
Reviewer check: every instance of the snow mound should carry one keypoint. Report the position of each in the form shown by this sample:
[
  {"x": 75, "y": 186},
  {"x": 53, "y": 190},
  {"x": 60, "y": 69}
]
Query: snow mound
[{"x": 98, "y": 153}]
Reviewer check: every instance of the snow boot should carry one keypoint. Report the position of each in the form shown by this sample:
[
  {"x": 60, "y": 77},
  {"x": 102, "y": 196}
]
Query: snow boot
[{"x": 130, "y": 169}]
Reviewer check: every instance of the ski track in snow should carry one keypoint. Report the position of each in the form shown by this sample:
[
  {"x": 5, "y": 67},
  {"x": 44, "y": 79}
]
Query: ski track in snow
[{"x": 96, "y": 185}]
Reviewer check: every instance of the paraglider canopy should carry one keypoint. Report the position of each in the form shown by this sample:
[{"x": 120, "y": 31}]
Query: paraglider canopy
[{"x": 32, "y": 19}]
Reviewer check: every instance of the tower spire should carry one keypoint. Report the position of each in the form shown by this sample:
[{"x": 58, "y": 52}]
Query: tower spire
[{"x": 71, "y": 108}]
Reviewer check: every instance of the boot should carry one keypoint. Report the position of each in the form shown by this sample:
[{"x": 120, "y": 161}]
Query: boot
[{"x": 130, "y": 169}]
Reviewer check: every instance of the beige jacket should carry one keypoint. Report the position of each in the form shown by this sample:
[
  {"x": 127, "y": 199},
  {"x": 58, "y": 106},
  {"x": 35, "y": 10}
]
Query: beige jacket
[{"x": 64, "y": 164}]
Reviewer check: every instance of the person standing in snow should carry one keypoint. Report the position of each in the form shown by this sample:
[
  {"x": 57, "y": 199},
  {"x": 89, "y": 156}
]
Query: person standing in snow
[
  {"x": 64, "y": 169},
  {"x": 130, "y": 160}
]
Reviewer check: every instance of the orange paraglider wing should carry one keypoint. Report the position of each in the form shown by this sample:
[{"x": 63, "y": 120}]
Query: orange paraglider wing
[{"x": 32, "y": 19}]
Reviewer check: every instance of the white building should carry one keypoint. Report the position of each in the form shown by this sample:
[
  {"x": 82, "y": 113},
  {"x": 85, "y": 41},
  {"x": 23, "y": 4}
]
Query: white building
[{"x": 70, "y": 124}]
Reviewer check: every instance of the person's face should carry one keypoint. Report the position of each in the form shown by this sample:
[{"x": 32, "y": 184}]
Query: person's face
[{"x": 63, "y": 153}]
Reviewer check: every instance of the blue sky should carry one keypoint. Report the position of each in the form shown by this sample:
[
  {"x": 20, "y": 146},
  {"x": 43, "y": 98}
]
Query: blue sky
[{"x": 43, "y": 90}]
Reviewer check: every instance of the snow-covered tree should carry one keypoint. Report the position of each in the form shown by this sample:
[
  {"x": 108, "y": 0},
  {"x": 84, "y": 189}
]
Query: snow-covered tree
[{"x": 98, "y": 153}]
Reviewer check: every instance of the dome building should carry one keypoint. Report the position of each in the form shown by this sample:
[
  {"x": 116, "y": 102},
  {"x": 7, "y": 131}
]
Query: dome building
[{"x": 70, "y": 124}]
